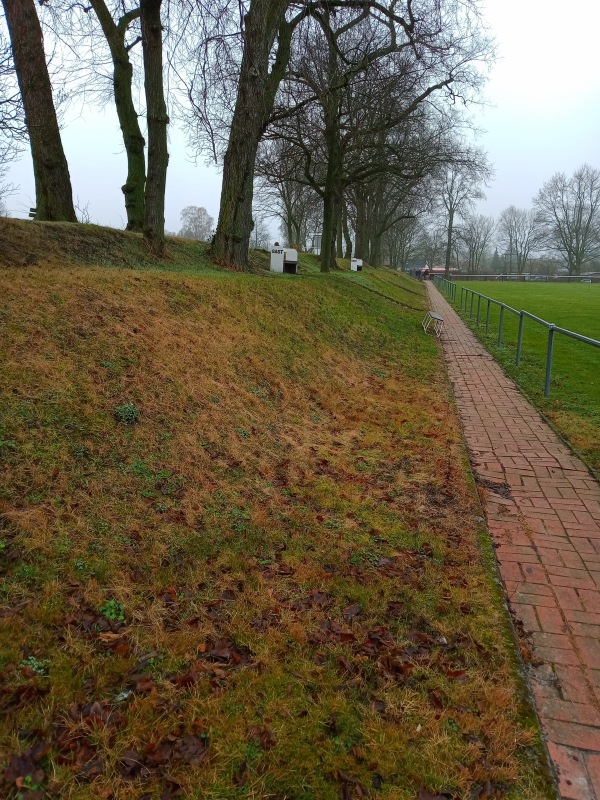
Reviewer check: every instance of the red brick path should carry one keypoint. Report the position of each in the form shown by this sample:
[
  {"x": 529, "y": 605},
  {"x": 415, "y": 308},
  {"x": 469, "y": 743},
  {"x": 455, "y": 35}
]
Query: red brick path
[{"x": 544, "y": 519}]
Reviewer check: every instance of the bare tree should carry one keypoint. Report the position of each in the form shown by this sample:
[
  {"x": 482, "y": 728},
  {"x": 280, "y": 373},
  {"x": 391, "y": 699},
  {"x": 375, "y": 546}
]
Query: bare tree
[
  {"x": 282, "y": 195},
  {"x": 100, "y": 62},
  {"x": 476, "y": 234},
  {"x": 402, "y": 242},
  {"x": 458, "y": 188},
  {"x": 266, "y": 36},
  {"x": 266, "y": 47},
  {"x": 261, "y": 236},
  {"x": 196, "y": 223},
  {"x": 54, "y": 196},
  {"x": 115, "y": 32},
  {"x": 365, "y": 98},
  {"x": 12, "y": 122},
  {"x": 569, "y": 216},
  {"x": 433, "y": 242},
  {"x": 518, "y": 234},
  {"x": 375, "y": 101},
  {"x": 157, "y": 117}
]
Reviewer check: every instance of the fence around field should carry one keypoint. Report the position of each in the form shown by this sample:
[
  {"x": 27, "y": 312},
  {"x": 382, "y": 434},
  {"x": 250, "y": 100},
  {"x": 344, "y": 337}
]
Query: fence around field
[{"x": 467, "y": 303}]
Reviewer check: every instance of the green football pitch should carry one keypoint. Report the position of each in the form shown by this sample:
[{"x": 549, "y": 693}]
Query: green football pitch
[{"x": 574, "y": 402}]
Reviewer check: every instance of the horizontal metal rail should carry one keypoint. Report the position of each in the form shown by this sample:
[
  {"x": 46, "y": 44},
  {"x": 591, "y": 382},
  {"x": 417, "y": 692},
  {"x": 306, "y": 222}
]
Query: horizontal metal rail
[{"x": 467, "y": 301}]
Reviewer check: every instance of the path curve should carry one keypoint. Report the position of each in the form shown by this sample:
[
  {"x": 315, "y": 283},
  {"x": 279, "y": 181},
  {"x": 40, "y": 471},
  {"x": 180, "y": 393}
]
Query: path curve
[{"x": 543, "y": 513}]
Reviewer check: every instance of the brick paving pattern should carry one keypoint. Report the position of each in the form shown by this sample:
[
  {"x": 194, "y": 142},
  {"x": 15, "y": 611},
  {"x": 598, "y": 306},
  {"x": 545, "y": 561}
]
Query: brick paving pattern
[{"x": 543, "y": 513}]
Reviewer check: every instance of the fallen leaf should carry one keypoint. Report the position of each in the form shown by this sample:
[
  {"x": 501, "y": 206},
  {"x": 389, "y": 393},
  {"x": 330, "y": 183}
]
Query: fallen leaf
[
  {"x": 351, "y": 611},
  {"x": 144, "y": 684},
  {"x": 25, "y": 766},
  {"x": 10, "y": 612},
  {"x": 131, "y": 764},
  {"x": 263, "y": 735},
  {"x": 191, "y": 749}
]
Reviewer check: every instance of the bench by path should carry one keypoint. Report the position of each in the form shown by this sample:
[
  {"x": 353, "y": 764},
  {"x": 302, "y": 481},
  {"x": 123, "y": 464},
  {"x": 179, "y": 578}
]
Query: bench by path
[{"x": 543, "y": 513}]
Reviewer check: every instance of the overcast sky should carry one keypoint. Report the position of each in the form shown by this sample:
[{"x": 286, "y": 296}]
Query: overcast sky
[
  {"x": 543, "y": 117},
  {"x": 544, "y": 95}
]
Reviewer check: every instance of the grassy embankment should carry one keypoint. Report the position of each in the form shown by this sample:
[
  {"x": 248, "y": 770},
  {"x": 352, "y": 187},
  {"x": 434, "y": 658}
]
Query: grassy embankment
[
  {"x": 574, "y": 403},
  {"x": 238, "y": 549}
]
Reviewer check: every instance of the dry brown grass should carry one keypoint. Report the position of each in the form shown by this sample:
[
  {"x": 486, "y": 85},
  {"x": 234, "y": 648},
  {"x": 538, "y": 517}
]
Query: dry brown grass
[{"x": 288, "y": 531}]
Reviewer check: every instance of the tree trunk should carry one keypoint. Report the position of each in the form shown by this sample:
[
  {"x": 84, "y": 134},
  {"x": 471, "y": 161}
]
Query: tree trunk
[
  {"x": 54, "y": 196},
  {"x": 375, "y": 254},
  {"x": 449, "y": 242},
  {"x": 289, "y": 224},
  {"x": 340, "y": 242},
  {"x": 359, "y": 244},
  {"x": 134, "y": 142},
  {"x": 332, "y": 189},
  {"x": 254, "y": 104},
  {"x": 332, "y": 194},
  {"x": 346, "y": 229},
  {"x": 328, "y": 238},
  {"x": 156, "y": 112}
]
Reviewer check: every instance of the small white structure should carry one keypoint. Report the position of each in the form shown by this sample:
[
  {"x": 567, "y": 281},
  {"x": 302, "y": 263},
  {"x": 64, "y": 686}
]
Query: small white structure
[
  {"x": 356, "y": 264},
  {"x": 284, "y": 259}
]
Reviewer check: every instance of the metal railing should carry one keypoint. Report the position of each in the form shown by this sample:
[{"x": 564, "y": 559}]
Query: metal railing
[
  {"x": 467, "y": 302},
  {"x": 448, "y": 287}
]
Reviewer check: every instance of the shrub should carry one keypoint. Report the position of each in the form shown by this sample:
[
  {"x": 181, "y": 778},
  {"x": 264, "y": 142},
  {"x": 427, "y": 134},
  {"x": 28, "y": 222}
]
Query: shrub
[{"x": 128, "y": 413}]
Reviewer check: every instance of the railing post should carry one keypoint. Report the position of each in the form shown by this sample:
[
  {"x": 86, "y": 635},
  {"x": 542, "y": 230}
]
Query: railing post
[
  {"x": 549, "y": 355},
  {"x": 472, "y": 301},
  {"x": 520, "y": 337},
  {"x": 487, "y": 317},
  {"x": 478, "y": 308},
  {"x": 500, "y": 324}
]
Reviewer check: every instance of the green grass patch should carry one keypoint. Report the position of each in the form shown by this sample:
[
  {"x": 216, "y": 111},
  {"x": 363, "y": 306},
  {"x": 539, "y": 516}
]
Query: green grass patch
[{"x": 573, "y": 405}]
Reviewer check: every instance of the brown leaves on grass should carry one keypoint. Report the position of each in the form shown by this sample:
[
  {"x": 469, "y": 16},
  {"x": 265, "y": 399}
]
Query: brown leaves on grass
[
  {"x": 278, "y": 569},
  {"x": 23, "y": 770},
  {"x": 109, "y": 635},
  {"x": 13, "y": 699},
  {"x": 14, "y": 610},
  {"x": 350, "y": 788},
  {"x": 179, "y": 748},
  {"x": 314, "y": 599},
  {"x": 263, "y": 735},
  {"x": 376, "y": 650},
  {"x": 75, "y": 748},
  {"x": 350, "y": 612},
  {"x": 96, "y": 714},
  {"x": 391, "y": 658},
  {"x": 225, "y": 651},
  {"x": 270, "y": 618},
  {"x": 216, "y": 660},
  {"x": 489, "y": 790},
  {"x": 331, "y": 632}
]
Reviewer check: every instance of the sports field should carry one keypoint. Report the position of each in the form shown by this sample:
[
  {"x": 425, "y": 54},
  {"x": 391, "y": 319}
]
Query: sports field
[{"x": 574, "y": 402}]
